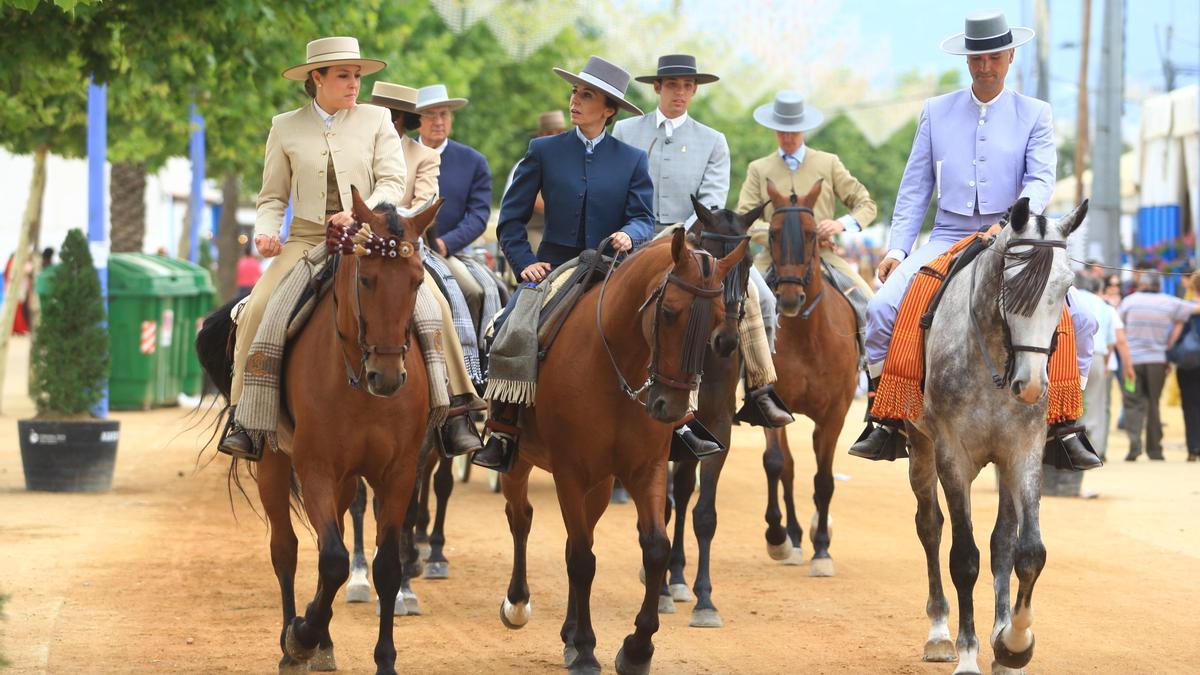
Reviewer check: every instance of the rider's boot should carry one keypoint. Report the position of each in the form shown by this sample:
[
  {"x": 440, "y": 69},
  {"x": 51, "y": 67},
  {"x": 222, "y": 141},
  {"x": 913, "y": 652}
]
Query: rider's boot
[
  {"x": 500, "y": 451},
  {"x": 459, "y": 435},
  {"x": 764, "y": 408},
  {"x": 883, "y": 439},
  {"x": 1068, "y": 447},
  {"x": 693, "y": 441},
  {"x": 236, "y": 441}
]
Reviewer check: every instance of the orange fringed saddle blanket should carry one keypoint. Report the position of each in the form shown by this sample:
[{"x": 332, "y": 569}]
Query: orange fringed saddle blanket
[{"x": 901, "y": 392}]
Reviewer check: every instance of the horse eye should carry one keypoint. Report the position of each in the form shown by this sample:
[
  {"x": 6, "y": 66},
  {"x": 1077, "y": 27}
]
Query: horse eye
[
  {"x": 670, "y": 314},
  {"x": 365, "y": 281}
]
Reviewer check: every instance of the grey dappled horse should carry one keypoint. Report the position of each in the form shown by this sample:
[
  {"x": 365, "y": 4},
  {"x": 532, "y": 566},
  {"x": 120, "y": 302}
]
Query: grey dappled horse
[{"x": 968, "y": 421}]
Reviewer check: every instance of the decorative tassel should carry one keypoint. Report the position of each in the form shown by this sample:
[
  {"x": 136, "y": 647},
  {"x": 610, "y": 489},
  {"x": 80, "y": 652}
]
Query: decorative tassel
[
  {"x": 695, "y": 342},
  {"x": 1065, "y": 395}
]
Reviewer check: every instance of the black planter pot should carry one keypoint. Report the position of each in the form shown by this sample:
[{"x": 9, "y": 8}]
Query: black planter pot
[{"x": 74, "y": 456}]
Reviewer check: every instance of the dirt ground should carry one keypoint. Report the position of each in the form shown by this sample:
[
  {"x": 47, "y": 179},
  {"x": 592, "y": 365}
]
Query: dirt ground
[{"x": 160, "y": 574}]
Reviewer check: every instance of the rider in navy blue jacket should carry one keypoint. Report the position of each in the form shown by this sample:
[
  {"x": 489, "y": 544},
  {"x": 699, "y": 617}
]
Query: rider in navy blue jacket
[{"x": 465, "y": 186}]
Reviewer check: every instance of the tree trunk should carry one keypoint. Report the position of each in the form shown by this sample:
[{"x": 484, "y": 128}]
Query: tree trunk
[
  {"x": 128, "y": 210},
  {"x": 228, "y": 248},
  {"x": 33, "y": 210}
]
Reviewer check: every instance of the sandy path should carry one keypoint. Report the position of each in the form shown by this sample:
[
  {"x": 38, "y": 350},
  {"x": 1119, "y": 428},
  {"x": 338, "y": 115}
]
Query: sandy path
[{"x": 159, "y": 576}]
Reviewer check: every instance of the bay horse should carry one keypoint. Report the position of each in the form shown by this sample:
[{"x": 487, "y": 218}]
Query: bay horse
[
  {"x": 816, "y": 360},
  {"x": 357, "y": 350},
  {"x": 653, "y": 315},
  {"x": 1009, "y": 299},
  {"x": 719, "y": 232}
]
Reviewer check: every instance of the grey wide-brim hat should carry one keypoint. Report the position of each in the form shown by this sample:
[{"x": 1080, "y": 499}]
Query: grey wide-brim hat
[
  {"x": 435, "y": 95},
  {"x": 986, "y": 32},
  {"x": 607, "y": 77},
  {"x": 678, "y": 65},
  {"x": 788, "y": 113}
]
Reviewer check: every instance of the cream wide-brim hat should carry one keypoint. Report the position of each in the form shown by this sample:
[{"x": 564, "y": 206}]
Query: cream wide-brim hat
[
  {"x": 333, "y": 51},
  {"x": 394, "y": 96}
]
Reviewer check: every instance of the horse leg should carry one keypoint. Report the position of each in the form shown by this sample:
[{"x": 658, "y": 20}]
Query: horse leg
[
  {"x": 922, "y": 476},
  {"x": 274, "y": 491},
  {"x": 515, "y": 609},
  {"x": 410, "y": 557},
  {"x": 393, "y": 506},
  {"x": 436, "y": 566},
  {"x": 1003, "y": 546},
  {"x": 358, "y": 589},
  {"x": 425, "y": 478},
  {"x": 581, "y": 565},
  {"x": 305, "y": 633},
  {"x": 787, "y": 479},
  {"x": 964, "y": 556},
  {"x": 648, "y": 495},
  {"x": 1013, "y": 644},
  {"x": 684, "y": 484},
  {"x": 820, "y": 531},
  {"x": 778, "y": 546},
  {"x": 704, "y": 524}
]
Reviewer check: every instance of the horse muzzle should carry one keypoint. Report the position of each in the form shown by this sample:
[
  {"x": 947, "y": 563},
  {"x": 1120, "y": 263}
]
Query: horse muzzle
[
  {"x": 386, "y": 382},
  {"x": 790, "y": 304},
  {"x": 1029, "y": 390},
  {"x": 667, "y": 404},
  {"x": 724, "y": 342}
]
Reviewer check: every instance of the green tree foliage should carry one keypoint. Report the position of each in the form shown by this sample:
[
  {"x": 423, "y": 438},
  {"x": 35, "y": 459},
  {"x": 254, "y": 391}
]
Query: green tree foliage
[{"x": 70, "y": 349}]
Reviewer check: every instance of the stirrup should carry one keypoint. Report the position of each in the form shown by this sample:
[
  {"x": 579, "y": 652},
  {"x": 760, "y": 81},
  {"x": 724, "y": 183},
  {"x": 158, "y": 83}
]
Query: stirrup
[
  {"x": 237, "y": 442},
  {"x": 1069, "y": 449},
  {"x": 881, "y": 442},
  {"x": 752, "y": 414},
  {"x": 682, "y": 450},
  {"x": 500, "y": 452}
]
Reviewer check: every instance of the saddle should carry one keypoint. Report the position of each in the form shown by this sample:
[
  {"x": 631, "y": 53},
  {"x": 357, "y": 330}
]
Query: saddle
[{"x": 589, "y": 271}]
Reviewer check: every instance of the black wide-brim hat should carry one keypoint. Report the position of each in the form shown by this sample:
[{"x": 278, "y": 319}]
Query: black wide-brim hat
[{"x": 678, "y": 65}]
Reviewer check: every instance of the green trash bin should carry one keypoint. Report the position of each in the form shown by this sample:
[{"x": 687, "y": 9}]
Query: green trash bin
[
  {"x": 143, "y": 308},
  {"x": 191, "y": 308}
]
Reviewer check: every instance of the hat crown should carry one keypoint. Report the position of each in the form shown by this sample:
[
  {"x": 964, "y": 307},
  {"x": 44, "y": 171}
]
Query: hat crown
[
  {"x": 677, "y": 62},
  {"x": 985, "y": 24},
  {"x": 789, "y": 105},
  {"x": 608, "y": 73},
  {"x": 398, "y": 92},
  {"x": 552, "y": 120},
  {"x": 321, "y": 48}
]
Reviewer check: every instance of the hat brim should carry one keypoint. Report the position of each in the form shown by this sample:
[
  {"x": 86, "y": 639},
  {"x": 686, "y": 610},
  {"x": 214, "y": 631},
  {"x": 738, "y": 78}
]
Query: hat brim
[
  {"x": 300, "y": 73},
  {"x": 957, "y": 44},
  {"x": 765, "y": 116},
  {"x": 451, "y": 103},
  {"x": 700, "y": 78},
  {"x": 602, "y": 86},
  {"x": 393, "y": 103}
]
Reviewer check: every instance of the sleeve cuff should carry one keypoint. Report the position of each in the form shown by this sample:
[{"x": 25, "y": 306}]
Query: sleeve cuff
[
  {"x": 850, "y": 223},
  {"x": 896, "y": 254}
]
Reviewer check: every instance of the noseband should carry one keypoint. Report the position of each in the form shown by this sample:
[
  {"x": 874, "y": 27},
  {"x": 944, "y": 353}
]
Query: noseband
[
  {"x": 340, "y": 242},
  {"x": 1021, "y": 295},
  {"x": 793, "y": 251},
  {"x": 695, "y": 339}
]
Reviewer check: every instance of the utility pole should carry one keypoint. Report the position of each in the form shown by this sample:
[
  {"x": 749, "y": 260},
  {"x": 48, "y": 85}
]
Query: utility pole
[
  {"x": 1104, "y": 216},
  {"x": 1041, "y": 22},
  {"x": 1081, "y": 120},
  {"x": 1164, "y": 55}
]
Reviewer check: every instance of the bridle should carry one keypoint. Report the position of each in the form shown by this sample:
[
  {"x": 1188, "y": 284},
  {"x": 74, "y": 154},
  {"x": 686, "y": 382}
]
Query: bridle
[
  {"x": 1041, "y": 248},
  {"x": 339, "y": 242},
  {"x": 695, "y": 338},
  {"x": 735, "y": 279},
  {"x": 794, "y": 250}
]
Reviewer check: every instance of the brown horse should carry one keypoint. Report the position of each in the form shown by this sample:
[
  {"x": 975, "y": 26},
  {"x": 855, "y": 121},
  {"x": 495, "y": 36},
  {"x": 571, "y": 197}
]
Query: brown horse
[
  {"x": 357, "y": 350},
  {"x": 816, "y": 359},
  {"x": 654, "y": 315}
]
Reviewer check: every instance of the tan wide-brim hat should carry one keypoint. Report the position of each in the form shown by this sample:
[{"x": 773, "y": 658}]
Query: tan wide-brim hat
[
  {"x": 333, "y": 51},
  {"x": 550, "y": 121},
  {"x": 394, "y": 96}
]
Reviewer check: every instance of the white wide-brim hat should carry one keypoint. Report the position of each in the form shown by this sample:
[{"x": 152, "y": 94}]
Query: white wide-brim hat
[
  {"x": 607, "y": 77},
  {"x": 986, "y": 32},
  {"x": 394, "y": 96},
  {"x": 788, "y": 113},
  {"x": 435, "y": 95},
  {"x": 333, "y": 51}
]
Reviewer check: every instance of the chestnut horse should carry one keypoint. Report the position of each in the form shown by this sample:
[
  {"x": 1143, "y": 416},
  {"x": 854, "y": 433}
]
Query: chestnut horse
[
  {"x": 357, "y": 350},
  {"x": 816, "y": 359},
  {"x": 653, "y": 315}
]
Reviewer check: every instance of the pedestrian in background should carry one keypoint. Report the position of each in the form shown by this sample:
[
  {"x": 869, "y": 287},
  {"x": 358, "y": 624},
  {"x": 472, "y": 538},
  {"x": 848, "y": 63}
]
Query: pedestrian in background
[
  {"x": 1189, "y": 384},
  {"x": 249, "y": 269},
  {"x": 1110, "y": 339}
]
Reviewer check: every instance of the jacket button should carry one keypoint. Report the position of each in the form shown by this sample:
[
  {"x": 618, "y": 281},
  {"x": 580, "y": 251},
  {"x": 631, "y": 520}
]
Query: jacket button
[
  {"x": 970, "y": 204},
  {"x": 324, "y": 152},
  {"x": 971, "y": 183}
]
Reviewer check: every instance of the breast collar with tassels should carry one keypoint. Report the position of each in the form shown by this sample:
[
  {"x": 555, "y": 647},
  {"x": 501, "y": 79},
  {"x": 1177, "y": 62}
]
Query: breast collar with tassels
[
  {"x": 1023, "y": 258},
  {"x": 792, "y": 247},
  {"x": 696, "y": 337},
  {"x": 339, "y": 242}
]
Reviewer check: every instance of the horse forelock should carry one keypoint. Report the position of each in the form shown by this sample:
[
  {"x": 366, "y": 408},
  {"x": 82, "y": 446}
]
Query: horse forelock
[{"x": 391, "y": 218}]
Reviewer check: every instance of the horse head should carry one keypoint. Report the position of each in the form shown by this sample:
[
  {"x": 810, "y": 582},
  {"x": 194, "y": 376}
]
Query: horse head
[
  {"x": 1033, "y": 287},
  {"x": 794, "y": 247},
  {"x": 720, "y": 232},
  {"x": 678, "y": 329},
  {"x": 375, "y": 295}
]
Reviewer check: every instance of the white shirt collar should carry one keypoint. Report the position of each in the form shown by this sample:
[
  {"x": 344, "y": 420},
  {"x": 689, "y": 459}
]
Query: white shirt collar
[
  {"x": 326, "y": 117},
  {"x": 799, "y": 154},
  {"x": 983, "y": 107},
  {"x": 441, "y": 148},
  {"x": 584, "y": 139},
  {"x": 677, "y": 122}
]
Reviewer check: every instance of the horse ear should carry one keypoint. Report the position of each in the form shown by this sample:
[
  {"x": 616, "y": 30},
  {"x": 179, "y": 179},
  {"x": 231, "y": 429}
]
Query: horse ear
[
  {"x": 1074, "y": 219},
  {"x": 1018, "y": 215},
  {"x": 702, "y": 212},
  {"x": 777, "y": 197},
  {"x": 814, "y": 192},
  {"x": 362, "y": 212},
  {"x": 731, "y": 261},
  {"x": 424, "y": 218},
  {"x": 748, "y": 218},
  {"x": 678, "y": 244}
]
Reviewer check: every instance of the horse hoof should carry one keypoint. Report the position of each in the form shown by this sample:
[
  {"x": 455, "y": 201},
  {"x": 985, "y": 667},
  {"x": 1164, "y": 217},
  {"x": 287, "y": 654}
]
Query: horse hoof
[
  {"x": 821, "y": 567},
  {"x": 412, "y": 606},
  {"x": 998, "y": 669},
  {"x": 576, "y": 668},
  {"x": 625, "y": 667},
  {"x": 290, "y": 666},
  {"x": 941, "y": 650},
  {"x": 1008, "y": 658},
  {"x": 423, "y": 551},
  {"x": 666, "y": 605},
  {"x": 359, "y": 589},
  {"x": 514, "y": 617},
  {"x": 681, "y": 593},
  {"x": 795, "y": 558},
  {"x": 322, "y": 661},
  {"x": 780, "y": 551},
  {"x": 437, "y": 570},
  {"x": 706, "y": 618},
  {"x": 398, "y": 607},
  {"x": 569, "y": 655},
  {"x": 292, "y": 646}
]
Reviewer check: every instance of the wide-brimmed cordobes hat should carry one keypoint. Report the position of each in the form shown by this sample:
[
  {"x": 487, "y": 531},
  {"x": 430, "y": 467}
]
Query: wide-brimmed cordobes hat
[
  {"x": 394, "y": 96},
  {"x": 333, "y": 51},
  {"x": 607, "y": 77},
  {"x": 986, "y": 32},
  {"x": 678, "y": 65},
  {"x": 788, "y": 113}
]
